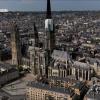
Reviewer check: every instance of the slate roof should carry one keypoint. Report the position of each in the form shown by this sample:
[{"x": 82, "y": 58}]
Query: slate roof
[
  {"x": 47, "y": 87},
  {"x": 60, "y": 55},
  {"x": 78, "y": 64}
]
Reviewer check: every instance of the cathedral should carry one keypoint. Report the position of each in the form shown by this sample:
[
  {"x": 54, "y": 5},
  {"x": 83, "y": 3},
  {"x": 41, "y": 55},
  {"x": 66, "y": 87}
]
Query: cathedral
[
  {"x": 45, "y": 60},
  {"x": 49, "y": 62},
  {"x": 40, "y": 56}
]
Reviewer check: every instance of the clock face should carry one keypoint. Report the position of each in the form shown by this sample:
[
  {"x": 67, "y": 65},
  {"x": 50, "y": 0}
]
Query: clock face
[{"x": 49, "y": 24}]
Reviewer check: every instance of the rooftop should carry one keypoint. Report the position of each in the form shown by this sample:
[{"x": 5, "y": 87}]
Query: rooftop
[
  {"x": 78, "y": 85},
  {"x": 6, "y": 66},
  {"x": 69, "y": 78},
  {"x": 81, "y": 65},
  {"x": 94, "y": 92},
  {"x": 47, "y": 87},
  {"x": 93, "y": 60},
  {"x": 15, "y": 88},
  {"x": 60, "y": 55}
]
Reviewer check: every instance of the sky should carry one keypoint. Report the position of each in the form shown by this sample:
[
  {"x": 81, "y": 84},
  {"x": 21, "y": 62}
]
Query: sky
[{"x": 40, "y": 5}]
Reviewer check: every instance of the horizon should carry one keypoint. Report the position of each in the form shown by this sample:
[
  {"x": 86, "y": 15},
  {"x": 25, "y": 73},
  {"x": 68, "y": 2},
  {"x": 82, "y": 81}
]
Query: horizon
[{"x": 57, "y": 5}]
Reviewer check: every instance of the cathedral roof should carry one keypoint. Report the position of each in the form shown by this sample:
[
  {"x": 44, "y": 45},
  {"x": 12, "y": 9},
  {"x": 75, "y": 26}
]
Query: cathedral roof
[{"x": 60, "y": 55}]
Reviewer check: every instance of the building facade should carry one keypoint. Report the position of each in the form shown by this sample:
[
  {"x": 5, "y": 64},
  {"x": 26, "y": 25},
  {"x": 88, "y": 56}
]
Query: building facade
[
  {"x": 38, "y": 56},
  {"x": 39, "y": 91}
]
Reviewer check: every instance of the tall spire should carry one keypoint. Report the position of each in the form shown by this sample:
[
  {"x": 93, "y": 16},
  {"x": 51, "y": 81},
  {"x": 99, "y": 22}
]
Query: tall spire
[
  {"x": 48, "y": 16},
  {"x": 36, "y": 35},
  {"x": 49, "y": 28}
]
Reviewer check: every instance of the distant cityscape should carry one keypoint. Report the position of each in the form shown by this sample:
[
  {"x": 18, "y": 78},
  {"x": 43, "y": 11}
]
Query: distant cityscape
[
  {"x": 4, "y": 10},
  {"x": 49, "y": 55},
  {"x": 57, "y": 5}
]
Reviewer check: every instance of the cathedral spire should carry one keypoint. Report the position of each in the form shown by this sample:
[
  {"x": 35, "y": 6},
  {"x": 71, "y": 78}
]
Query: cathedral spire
[
  {"x": 48, "y": 14},
  {"x": 36, "y": 35},
  {"x": 49, "y": 29}
]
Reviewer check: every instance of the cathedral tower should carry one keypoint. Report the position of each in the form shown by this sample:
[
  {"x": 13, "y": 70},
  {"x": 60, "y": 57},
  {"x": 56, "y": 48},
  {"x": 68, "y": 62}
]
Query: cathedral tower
[
  {"x": 16, "y": 45},
  {"x": 36, "y": 36},
  {"x": 35, "y": 53}
]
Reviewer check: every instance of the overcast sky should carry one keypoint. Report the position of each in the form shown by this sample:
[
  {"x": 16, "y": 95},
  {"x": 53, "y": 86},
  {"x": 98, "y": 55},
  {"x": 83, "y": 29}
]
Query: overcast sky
[{"x": 40, "y": 5}]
